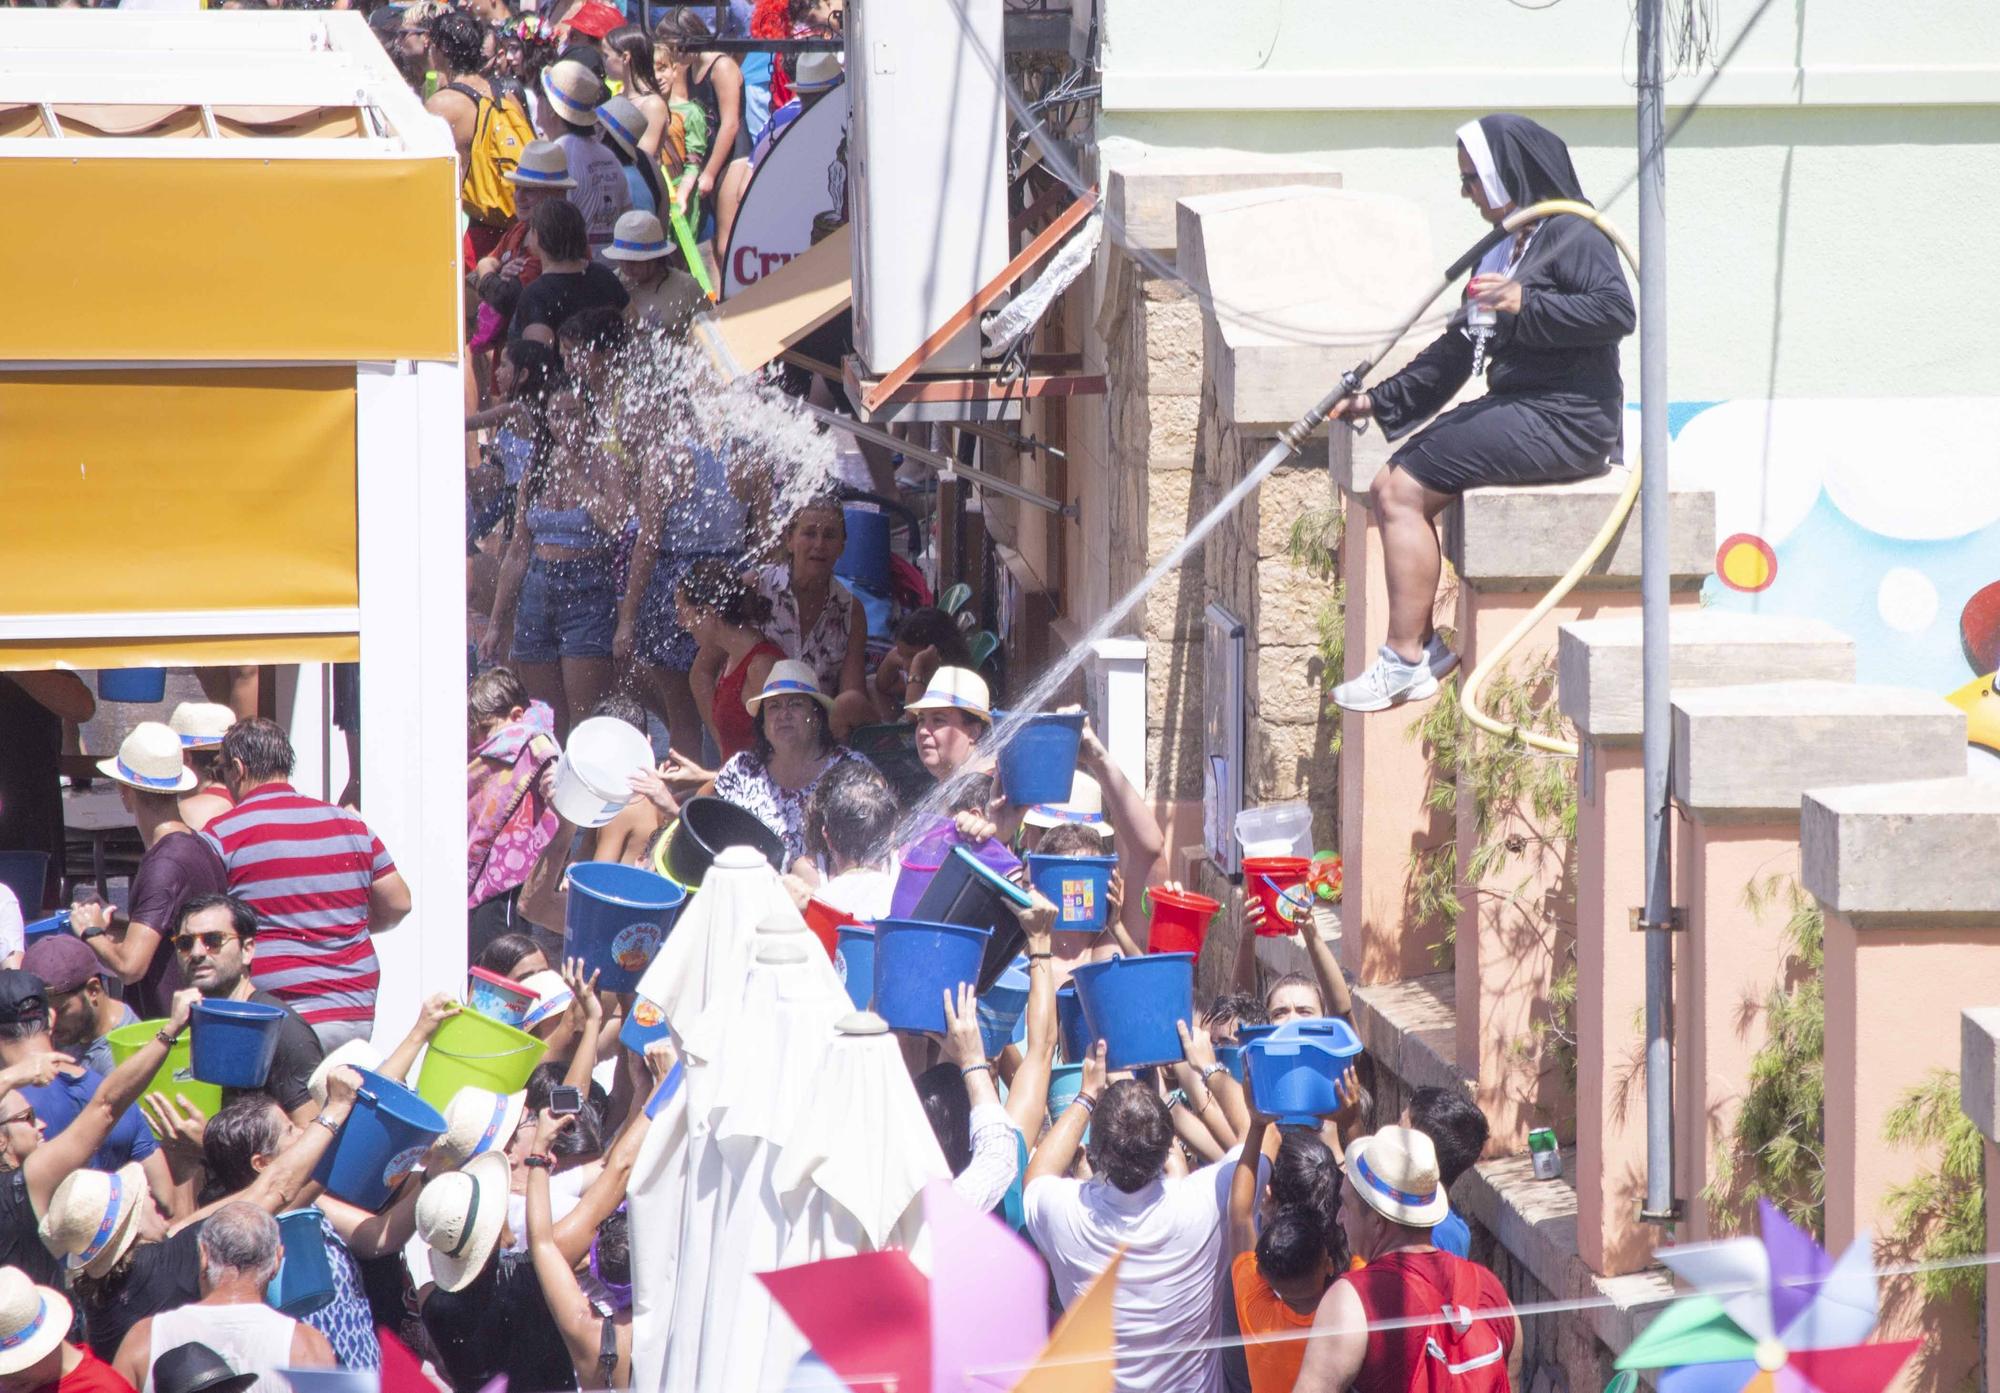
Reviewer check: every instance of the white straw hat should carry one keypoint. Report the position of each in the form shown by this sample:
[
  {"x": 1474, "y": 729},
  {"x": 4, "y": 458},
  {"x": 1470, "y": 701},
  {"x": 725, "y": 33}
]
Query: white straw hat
[
  {"x": 552, "y": 997},
  {"x": 543, "y": 165},
  {"x": 33, "y": 1321},
  {"x": 201, "y": 724},
  {"x": 150, "y": 761},
  {"x": 478, "y": 1120},
  {"x": 638, "y": 236},
  {"x": 573, "y": 90},
  {"x": 460, "y": 1214},
  {"x": 818, "y": 72},
  {"x": 1395, "y": 1172},
  {"x": 1085, "y": 807},
  {"x": 355, "y": 1054},
  {"x": 955, "y": 689},
  {"x": 790, "y": 677},
  {"x": 623, "y": 122},
  {"x": 94, "y": 1216}
]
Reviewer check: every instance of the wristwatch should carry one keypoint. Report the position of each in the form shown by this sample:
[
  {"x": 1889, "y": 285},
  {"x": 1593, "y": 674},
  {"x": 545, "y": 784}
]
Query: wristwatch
[
  {"x": 1210, "y": 1071},
  {"x": 95, "y": 931}
]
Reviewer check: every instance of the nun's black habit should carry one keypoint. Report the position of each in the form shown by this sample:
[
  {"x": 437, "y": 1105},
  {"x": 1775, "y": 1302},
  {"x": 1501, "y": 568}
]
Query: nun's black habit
[{"x": 1555, "y": 402}]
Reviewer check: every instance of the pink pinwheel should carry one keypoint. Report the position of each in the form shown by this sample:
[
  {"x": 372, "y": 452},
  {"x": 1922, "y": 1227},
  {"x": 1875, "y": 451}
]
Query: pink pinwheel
[{"x": 1775, "y": 1314}]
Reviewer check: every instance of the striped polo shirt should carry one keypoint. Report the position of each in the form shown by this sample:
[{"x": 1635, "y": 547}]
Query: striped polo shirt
[{"x": 305, "y": 867}]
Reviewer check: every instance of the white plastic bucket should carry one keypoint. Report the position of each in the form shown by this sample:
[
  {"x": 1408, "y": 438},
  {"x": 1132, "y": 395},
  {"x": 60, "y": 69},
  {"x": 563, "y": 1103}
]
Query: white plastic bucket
[
  {"x": 1276, "y": 829},
  {"x": 593, "y": 777}
]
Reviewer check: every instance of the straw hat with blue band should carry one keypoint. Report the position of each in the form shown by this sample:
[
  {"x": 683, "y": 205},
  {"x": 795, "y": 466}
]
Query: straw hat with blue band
[
  {"x": 478, "y": 1120},
  {"x": 149, "y": 759},
  {"x": 94, "y": 1216},
  {"x": 33, "y": 1321},
  {"x": 1085, "y": 808},
  {"x": 638, "y": 236},
  {"x": 624, "y": 123},
  {"x": 459, "y": 1216},
  {"x": 955, "y": 689},
  {"x": 573, "y": 90},
  {"x": 201, "y": 724},
  {"x": 1395, "y": 1173},
  {"x": 789, "y": 677},
  {"x": 543, "y": 165}
]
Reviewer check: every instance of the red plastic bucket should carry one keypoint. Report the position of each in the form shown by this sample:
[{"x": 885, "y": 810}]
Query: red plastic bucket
[
  {"x": 826, "y": 922},
  {"x": 1180, "y": 920},
  {"x": 1278, "y": 883}
]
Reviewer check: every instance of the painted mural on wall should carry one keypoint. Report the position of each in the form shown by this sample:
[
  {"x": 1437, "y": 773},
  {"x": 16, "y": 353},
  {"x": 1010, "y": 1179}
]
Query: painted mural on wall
[{"x": 1881, "y": 517}]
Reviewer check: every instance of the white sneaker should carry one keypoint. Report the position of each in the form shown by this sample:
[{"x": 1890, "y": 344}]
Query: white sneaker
[
  {"x": 1389, "y": 682},
  {"x": 1438, "y": 658}
]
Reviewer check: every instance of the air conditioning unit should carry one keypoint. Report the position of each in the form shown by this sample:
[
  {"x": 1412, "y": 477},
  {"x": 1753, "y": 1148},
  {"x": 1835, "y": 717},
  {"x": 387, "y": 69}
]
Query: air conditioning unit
[{"x": 927, "y": 166}]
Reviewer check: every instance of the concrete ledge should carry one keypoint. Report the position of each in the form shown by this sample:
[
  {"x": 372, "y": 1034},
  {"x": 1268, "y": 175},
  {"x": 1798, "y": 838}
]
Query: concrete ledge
[
  {"x": 1758, "y": 748},
  {"x": 1307, "y": 279},
  {"x": 1515, "y": 538},
  {"x": 1599, "y": 662},
  {"x": 1143, "y": 182},
  {"x": 1410, "y": 1029},
  {"x": 1920, "y": 853},
  {"x": 1979, "y": 1068}
]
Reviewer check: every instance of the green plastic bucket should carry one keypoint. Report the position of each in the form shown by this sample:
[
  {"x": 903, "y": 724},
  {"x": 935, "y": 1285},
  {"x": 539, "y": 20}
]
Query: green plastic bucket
[
  {"x": 176, "y": 1076},
  {"x": 471, "y": 1050}
]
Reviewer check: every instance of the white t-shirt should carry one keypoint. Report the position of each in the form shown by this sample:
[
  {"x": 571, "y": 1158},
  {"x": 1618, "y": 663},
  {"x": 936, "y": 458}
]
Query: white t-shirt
[
  {"x": 601, "y": 193},
  {"x": 863, "y": 892},
  {"x": 1171, "y": 1285}
]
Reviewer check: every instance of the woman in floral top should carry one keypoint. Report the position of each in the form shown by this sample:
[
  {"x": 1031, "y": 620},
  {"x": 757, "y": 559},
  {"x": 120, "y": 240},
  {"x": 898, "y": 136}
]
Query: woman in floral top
[
  {"x": 794, "y": 749},
  {"x": 815, "y": 618}
]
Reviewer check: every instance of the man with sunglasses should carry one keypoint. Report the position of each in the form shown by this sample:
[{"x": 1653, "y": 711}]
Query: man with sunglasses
[{"x": 215, "y": 938}]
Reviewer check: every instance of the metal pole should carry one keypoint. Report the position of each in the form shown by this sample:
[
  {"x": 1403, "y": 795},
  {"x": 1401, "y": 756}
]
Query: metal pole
[{"x": 1656, "y": 917}]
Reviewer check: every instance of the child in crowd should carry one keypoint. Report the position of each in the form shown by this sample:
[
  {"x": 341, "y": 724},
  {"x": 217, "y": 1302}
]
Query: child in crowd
[
  {"x": 508, "y": 817},
  {"x": 1277, "y": 1276},
  {"x": 1458, "y": 1130}
]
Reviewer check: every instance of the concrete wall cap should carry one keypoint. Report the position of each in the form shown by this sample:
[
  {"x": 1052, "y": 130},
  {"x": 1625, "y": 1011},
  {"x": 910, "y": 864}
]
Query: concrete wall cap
[
  {"x": 1142, "y": 184},
  {"x": 1917, "y": 853},
  {"x": 1979, "y": 1068},
  {"x": 1755, "y": 749},
  {"x": 1599, "y": 662},
  {"x": 1520, "y": 537}
]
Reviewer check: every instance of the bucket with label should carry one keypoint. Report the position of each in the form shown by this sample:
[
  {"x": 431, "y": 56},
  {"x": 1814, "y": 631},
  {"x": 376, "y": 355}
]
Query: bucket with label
[
  {"x": 617, "y": 918},
  {"x": 382, "y": 1140}
]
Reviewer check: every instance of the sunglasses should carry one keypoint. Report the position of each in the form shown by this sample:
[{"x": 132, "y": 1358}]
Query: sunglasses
[
  {"x": 213, "y": 940},
  {"x": 26, "y": 1115}
]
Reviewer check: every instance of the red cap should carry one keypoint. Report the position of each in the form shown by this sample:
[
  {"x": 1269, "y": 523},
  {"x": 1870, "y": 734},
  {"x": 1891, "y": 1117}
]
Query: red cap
[{"x": 595, "y": 19}]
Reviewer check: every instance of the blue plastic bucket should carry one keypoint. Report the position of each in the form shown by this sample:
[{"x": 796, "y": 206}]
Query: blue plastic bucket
[
  {"x": 1072, "y": 1031},
  {"x": 967, "y": 891},
  {"x": 1132, "y": 1004},
  {"x": 618, "y": 917},
  {"x": 305, "y": 1276},
  {"x": 854, "y": 963},
  {"x": 1078, "y": 886},
  {"x": 1001, "y": 1008},
  {"x": 1039, "y": 764},
  {"x": 1292, "y": 1071},
  {"x": 234, "y": 1042},
  {"x": 866, "y": 556},
  {"x": 138, "y": 684},
  {"x": 916, "y": 963},
  {"x": 1065, "y": 1082},
  {"x": 645, "y": 1022},
  {"x": 1246, "y": 1033},
  {"x": 382, "y": 1139},
  {"x": 1230, "y": 1057}
]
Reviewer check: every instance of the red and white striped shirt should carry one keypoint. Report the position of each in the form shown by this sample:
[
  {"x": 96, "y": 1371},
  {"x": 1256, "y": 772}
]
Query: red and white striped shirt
[{"x": 305, "y": 867}]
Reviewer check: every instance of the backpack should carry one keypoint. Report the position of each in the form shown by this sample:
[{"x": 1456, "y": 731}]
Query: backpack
[
  {"x": 500, "y": 132},
  {"x": 1462, "y": 1354}
]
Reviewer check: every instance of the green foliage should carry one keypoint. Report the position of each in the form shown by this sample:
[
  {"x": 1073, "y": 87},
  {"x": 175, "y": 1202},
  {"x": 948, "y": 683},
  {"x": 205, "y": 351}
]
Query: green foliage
[
  {"x": 1777, "y": 1148},
  {"x": 1940, "y": 1216},
  {"x": 1314, "y": 544}
]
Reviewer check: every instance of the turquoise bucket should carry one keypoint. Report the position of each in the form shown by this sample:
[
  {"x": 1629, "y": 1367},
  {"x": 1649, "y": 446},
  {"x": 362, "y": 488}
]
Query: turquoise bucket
[
  {"x": 1072, "y": 1031},
  {"x": 1133, "y": 1004},
  {"x": 618, "y": 917},
  {"x": 305, "y": 1277},
  {"x": 1038, "y": 765},
  {"x": 1002, "y": 1007},
  {"x": 1078, "y": 886},
  {"x": 383, "y": 1138},
  {"x": 854, "y": 962},
  {"x": 234, "y": 1042},
  {"x": 916, "y": 963}
]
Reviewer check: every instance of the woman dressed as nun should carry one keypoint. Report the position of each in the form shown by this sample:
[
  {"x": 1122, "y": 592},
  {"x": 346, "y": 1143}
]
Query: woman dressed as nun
[{"x": 1544, "y": 314}]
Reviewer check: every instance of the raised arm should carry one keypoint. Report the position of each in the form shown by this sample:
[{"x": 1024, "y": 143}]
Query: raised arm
[
  {"x": 436, "y": 1011},
  {"x": 571, "y": 1310},
  {"x": 1028, "y": 1095},
  {"x": 279, "y": 1185},
  {"x": 1244, "y": 1186},
  {"x": 1139, "y": 840},
  {"x": 1058, "y": 1149},
  {"x": 1326, "y": 971}
]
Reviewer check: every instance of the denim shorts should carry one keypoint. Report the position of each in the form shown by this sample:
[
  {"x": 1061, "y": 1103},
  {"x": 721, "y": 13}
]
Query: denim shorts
[
  {"x": 567, "y": 610},
  {"x": 659, "y": 638}
]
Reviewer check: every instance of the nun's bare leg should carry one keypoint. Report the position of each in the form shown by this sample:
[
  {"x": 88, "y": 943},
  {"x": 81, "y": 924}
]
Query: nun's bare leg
[{"x": 1407, "y": 512}]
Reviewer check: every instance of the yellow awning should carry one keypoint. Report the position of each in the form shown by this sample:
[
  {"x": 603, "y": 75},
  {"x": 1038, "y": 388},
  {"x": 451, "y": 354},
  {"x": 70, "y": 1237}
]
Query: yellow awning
[
  {"x": 757, "y": 324},
  {"x": 205, "y": 651},
  {"x": 229, "y": 259}
]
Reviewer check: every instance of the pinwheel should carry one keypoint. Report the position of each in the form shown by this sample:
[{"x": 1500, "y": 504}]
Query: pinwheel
[
  {"x": 977, "y": 1324},
  {"x": 1773, "y": 1314}
]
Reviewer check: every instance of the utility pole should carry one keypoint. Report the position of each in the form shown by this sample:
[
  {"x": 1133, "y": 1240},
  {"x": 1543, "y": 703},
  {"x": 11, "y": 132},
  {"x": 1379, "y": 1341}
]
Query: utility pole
[{"x": 1656, "y": 917}]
